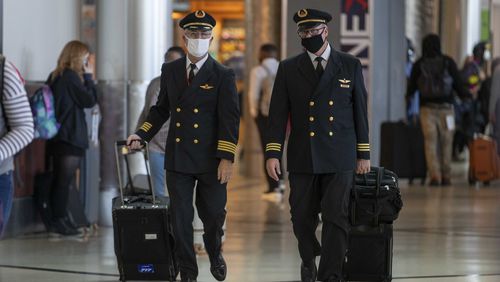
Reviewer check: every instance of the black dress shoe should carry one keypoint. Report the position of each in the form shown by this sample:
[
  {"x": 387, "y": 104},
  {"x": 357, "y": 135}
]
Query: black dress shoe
[
  {"x": 218, "y": 267},
  {"x": 308, "y": 271}
]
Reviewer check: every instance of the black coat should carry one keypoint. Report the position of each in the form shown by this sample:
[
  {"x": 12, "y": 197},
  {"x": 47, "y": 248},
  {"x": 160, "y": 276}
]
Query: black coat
[
  {"x": 71, "y": 97},
  {"x": 458, "y": 84},
  {"x": 329, "y": 125},
  {"x": 204, "y": 117}
]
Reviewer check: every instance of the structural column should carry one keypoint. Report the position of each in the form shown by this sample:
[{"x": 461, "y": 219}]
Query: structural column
[
  {"x": 131, "y": 40},
  {"x": 386, "y": 77},
  {"x": 460, "y": 27},
  {"x": 262, "y": 26},
  {"x": 422, "y": 18}
]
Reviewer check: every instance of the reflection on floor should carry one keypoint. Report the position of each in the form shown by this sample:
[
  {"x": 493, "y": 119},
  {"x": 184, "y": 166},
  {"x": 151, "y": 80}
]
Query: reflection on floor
[{"x": 443, "y": 235}]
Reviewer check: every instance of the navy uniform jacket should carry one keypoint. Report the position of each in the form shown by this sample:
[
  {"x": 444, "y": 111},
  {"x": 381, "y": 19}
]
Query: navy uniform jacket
[
  {"x": 329, "y": 125},
  {"x": 204, "y": 116}
]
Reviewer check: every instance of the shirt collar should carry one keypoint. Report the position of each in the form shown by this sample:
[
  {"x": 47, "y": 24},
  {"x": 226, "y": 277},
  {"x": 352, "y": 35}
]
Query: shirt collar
[
  {"x": 325, "y": 55},
  {"x": 199, "y": 64}
]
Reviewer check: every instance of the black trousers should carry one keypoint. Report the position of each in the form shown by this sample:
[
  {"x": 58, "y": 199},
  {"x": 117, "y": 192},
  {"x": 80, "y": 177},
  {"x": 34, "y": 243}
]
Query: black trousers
[
  {"x": 261, "y": 122},
  {"x": 64, "y": 167},
  {"x": 211, "y": 197},
  {"x": 311, "y": 194}
]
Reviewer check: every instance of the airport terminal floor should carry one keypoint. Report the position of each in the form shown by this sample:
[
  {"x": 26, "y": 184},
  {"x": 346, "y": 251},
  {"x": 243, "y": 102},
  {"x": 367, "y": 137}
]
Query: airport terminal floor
[{"x": 443, "y": 234}]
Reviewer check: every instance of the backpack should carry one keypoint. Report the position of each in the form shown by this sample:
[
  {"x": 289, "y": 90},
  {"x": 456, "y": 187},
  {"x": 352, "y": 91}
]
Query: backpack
[
  {"x": 266, "y": 92},
  {"x": 44, "y": 117},
  {"x": 435, "y": 80},
  {"x": 471, "y": 74}
]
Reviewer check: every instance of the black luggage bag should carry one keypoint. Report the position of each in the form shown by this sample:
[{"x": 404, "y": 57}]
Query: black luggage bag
[
  {"x": 375, "y": 198},
  {"x": 142, "y": 230},
  {"x": 402, "y": 150},
  {"x": 374, "y": 204},
  {"x": 369, "y": 257}
]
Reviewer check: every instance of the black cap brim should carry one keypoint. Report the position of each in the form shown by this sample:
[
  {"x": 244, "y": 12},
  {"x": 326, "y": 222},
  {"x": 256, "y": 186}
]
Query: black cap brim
[
  {"x": 198, "y": 28},
  {"x": 309, "y": 25}
]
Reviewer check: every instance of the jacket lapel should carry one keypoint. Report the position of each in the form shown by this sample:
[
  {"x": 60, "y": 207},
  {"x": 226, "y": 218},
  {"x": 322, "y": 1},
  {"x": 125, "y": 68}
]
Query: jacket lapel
[
  {"x": 306, "y": 68},
  {"x": 180, "y": 79},
  {"x": 201, "y": 77},
  {"x": 332, "y": 68}
]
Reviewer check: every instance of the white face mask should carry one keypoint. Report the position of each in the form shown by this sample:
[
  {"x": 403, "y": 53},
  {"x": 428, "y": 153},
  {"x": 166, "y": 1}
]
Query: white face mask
[{"x": 198, "y": 47}]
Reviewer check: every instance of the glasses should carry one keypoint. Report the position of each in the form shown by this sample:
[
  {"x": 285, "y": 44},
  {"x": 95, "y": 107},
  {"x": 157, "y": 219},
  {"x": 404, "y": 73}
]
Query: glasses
[
  {"x": 198, "y": 34},
  {"x": 310, "y": 32}
]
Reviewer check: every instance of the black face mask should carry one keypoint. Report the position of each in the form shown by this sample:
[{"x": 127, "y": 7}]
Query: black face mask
[{"x": 313, "y": 43}]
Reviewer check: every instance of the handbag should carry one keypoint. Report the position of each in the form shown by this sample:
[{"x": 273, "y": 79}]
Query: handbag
[{"x": 375, "y": 198}]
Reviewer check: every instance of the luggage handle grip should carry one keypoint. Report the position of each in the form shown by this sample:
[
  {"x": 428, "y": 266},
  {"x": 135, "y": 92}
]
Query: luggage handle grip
[{"x": 121, "y": 143}]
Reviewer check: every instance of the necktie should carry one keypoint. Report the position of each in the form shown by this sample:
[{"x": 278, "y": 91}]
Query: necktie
[
  {"x": 191, "y": 73},
  {"x": 319, "y": 67}
]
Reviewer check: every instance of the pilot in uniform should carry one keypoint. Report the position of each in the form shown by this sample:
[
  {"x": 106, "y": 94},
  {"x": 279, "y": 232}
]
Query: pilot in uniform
[
  {"x": 199, "y": 95},
  {"x": 323, "y": 91}
]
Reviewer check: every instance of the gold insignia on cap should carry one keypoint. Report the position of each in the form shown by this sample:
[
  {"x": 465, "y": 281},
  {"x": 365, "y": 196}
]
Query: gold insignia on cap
[
  {"x": 200, "y": 14},
  {"x": 302, "y": 13}
]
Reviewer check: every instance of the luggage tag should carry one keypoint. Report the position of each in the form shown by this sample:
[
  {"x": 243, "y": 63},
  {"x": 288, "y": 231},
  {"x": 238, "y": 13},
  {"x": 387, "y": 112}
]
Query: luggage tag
[{"x": 450, "y": 122}]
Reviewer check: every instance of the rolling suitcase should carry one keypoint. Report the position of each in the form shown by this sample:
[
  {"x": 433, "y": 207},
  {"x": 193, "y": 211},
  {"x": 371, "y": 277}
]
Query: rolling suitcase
[
  {"x": 142, "y": 230},
  {"x": 402, "y": 150},
  {"x": 369, "y": 256},
  {"x": 484, "y": 162}
]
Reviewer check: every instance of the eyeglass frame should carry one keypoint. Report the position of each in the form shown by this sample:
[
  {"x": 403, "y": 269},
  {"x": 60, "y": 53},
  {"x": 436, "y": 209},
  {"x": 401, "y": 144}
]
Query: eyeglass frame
[
  {"x": 311, "y": 31},
  {"x": 198, "y": 34}
]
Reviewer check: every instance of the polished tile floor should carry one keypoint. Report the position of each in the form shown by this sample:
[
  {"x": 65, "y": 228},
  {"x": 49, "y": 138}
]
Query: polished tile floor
[{"x": 447, "y": 234}]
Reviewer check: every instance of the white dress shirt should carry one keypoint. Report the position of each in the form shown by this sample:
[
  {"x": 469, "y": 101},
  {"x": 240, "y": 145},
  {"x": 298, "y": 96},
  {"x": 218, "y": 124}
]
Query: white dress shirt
[
  {"x": 199, "y": 64},
  {"x": 325, "y": 56}
]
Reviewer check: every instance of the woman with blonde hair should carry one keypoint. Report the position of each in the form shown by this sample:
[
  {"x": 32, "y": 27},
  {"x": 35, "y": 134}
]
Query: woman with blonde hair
[{"x": 73, "y": 89}]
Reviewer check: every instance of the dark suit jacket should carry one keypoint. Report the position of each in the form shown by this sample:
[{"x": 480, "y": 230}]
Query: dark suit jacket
[
  {"x": 204, "y": 116},
  {"x": 329, "y": 125}
]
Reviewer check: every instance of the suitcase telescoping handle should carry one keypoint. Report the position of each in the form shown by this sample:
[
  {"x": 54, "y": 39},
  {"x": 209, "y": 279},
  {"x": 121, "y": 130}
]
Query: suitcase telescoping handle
[{"x": 122, "y": 144}]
